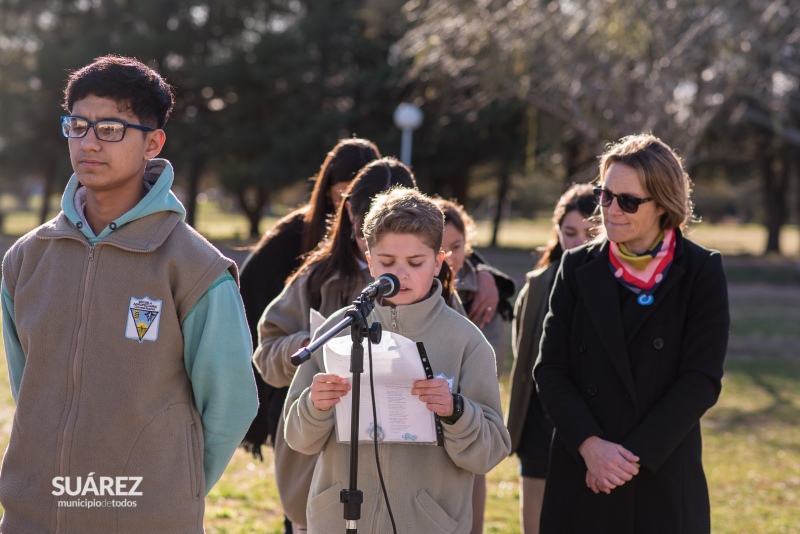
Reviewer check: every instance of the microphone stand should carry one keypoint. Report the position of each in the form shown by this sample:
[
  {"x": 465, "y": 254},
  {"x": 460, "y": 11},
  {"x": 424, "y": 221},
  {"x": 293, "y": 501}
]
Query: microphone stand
[{"x": 356, "y": 318}]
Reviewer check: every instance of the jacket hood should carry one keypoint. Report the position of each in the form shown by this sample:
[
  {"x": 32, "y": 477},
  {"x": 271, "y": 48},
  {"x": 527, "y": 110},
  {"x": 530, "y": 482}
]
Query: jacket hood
[{"x": 158, "y": 178}]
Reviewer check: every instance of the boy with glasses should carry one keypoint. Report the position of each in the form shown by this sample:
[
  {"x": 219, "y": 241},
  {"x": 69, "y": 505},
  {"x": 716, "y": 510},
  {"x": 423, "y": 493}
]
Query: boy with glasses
[{"x": 126, "y": 340}]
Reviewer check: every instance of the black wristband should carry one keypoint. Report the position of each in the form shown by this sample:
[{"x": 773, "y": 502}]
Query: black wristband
[{"x": 458, "y": 410}]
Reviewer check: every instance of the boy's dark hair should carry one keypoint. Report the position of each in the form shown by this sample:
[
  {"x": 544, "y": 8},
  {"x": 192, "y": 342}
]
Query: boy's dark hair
[{"x": 127, "y": 81}]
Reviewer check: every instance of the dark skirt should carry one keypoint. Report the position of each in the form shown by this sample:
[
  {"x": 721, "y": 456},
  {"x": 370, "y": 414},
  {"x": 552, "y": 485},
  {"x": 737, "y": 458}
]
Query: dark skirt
[{"x": 534, "y": 446}]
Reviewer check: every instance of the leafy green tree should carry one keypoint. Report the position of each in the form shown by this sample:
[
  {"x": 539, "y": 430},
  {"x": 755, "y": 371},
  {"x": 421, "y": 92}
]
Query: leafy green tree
[
  {"x": 189, "y": 42},
  {"x": 309, "y": 79}
]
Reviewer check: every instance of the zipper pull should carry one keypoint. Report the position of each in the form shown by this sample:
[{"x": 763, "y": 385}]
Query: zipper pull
[{"x": 91, "y": 252}]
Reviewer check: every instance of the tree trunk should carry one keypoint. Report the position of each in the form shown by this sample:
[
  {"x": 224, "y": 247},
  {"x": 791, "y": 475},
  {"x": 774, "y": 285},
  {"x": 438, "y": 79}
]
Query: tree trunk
[
  {"x": 502, "y": 193},
  {"x": 252, "y": 202},
  {"x": 775, "y": 190},
  {"x": 796, "y": 174},
  {"x": 459, "y": 184},
  {"x": 573, "y": 159},
  {"x": 254, "y": 218},
  {"x": 196, "y": 167},
  {"x": 50, "y": 171}
]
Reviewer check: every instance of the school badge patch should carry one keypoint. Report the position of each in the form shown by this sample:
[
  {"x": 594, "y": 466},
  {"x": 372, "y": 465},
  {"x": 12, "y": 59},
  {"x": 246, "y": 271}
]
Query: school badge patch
[{"x": 144, "y": 316}]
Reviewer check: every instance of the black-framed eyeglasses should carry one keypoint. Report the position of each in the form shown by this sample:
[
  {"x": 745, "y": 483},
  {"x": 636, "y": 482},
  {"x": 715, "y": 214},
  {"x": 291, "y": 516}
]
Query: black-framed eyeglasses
[
  {"x": 627, "y": 203},
  {"x": 110, "y": 131}
]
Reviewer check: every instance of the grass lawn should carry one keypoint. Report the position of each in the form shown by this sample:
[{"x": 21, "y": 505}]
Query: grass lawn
[{"x": 752, "y": 436}]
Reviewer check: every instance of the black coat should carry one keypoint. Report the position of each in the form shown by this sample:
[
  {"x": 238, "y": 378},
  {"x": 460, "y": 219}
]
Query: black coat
[{"x": 640, "y": 376}]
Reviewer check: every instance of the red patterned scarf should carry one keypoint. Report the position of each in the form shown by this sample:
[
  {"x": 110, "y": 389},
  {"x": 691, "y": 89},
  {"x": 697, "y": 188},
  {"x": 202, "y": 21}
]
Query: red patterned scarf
[{"x": 643, "y": 273}]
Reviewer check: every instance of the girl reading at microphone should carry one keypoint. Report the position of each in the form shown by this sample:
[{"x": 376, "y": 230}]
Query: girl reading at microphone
[
  {"x": 429, "y": 487},
  {"x": 331, "y": 276}
]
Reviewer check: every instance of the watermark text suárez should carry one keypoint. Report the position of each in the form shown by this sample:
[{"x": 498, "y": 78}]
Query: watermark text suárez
[{"x": 100, "y": 486}]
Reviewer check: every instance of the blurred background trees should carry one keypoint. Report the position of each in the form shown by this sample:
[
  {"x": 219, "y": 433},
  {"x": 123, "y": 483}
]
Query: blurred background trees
[{"x": 519, "y": 96}]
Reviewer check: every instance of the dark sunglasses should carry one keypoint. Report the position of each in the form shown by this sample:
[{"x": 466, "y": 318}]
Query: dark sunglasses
[{"x": 627, "y": 203}]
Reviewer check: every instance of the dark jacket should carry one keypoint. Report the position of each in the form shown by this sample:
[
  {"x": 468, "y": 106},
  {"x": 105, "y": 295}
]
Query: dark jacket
[
  {"x": 641, "y": 376},
  {"x": 505, "y": 286},
  {"x": 263, "y": 277}
]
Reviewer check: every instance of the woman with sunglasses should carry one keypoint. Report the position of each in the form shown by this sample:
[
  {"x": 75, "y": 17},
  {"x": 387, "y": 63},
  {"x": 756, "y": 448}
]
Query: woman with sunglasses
[{"x": 632, "y": 357}]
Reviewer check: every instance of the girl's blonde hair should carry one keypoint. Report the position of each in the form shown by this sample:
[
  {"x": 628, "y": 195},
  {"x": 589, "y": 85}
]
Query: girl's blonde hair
[
  {"x": 407, "y": 211},
  {"x": 404, "y": 211}
]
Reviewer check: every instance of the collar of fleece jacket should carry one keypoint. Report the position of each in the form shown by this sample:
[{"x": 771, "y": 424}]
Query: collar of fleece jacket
[{"x": 415, "y": 317}]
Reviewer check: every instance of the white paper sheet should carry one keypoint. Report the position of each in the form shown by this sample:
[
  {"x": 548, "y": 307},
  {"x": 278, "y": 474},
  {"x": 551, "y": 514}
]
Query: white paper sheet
[
  {"x": 315, "y": 320},
  {"x": 402, "y": 417}
]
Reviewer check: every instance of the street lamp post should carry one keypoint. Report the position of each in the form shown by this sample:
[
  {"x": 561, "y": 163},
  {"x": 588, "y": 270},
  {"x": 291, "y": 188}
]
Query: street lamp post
[{"x": 407, "y": 117}]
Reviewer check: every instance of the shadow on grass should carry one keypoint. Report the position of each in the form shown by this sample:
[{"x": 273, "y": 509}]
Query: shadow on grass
[
  {"x": 781, "y": 274},
  {"x": 767, "y": 396}
]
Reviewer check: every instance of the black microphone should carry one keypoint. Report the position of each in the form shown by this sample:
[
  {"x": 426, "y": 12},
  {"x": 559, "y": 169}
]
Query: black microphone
[{"x": 387, "y": 285}]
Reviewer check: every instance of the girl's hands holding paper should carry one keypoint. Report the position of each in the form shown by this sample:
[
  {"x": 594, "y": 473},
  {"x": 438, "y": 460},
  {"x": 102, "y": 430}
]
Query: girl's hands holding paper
[
  {"x": 435, "y": 393},
  {"x": 326, "y": 390}
]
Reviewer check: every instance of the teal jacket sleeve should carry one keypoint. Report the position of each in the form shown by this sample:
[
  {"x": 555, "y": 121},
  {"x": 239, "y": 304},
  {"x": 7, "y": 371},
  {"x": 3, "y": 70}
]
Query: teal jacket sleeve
[
  {"x": 217, "y": 351},
  {"x": 15, "y": 358}
]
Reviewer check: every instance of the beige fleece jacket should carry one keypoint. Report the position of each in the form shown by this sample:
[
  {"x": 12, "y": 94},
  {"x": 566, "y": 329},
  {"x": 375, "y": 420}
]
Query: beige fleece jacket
[
  {"x": 430, "y": 487},
  {"x": 94, "y": 403}
]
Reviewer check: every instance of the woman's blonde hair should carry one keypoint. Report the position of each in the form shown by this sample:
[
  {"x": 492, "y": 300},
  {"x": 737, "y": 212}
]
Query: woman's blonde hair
[{"x": 661, "y": 174}]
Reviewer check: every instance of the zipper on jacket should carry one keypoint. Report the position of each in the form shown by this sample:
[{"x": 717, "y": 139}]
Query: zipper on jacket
[
  {"x": 84, "y": 301},
  {"x": 394, "y": 318}
]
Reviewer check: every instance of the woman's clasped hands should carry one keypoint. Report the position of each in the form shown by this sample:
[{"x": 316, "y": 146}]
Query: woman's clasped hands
[{"x": 608, "y": 464}]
